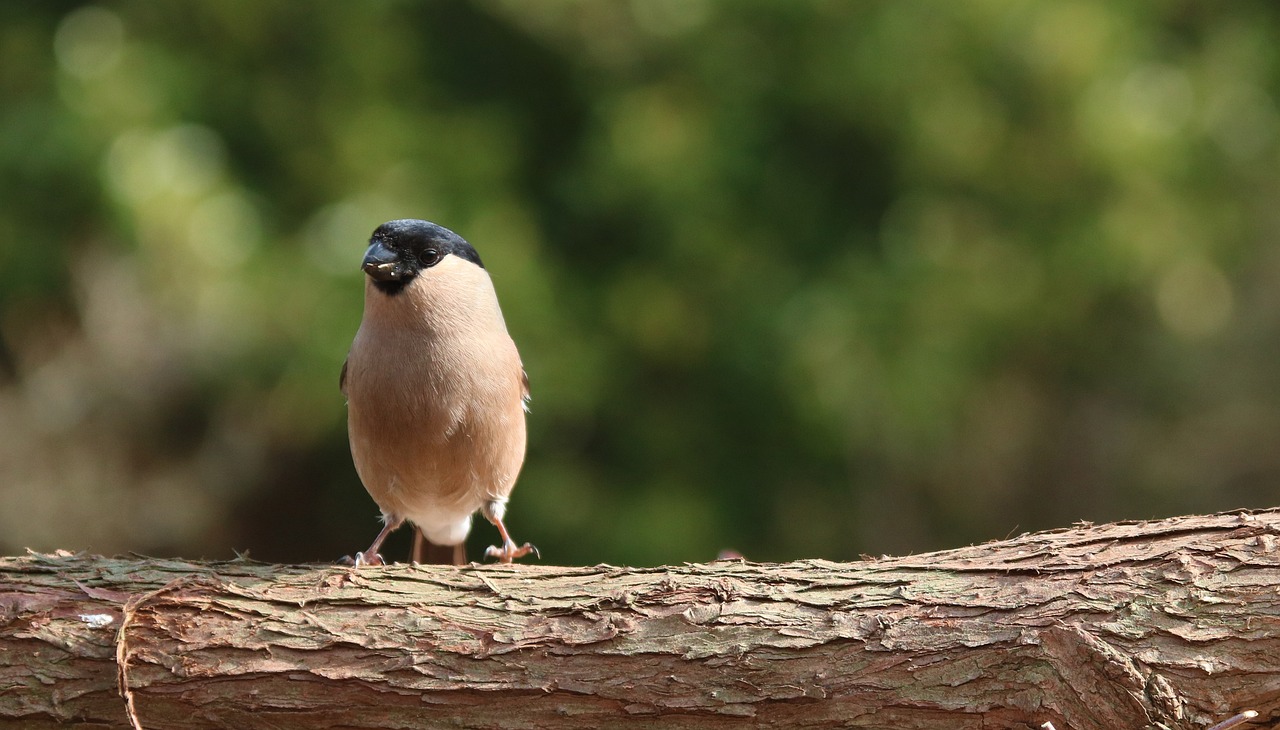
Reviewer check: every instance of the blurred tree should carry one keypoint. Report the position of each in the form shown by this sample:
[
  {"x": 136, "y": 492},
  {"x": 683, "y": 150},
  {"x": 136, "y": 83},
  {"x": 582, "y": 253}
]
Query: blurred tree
[{"x": 804, "y": 279}]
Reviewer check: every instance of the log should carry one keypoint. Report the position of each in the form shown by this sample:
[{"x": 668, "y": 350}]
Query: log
[{"x": 1161, "y": 624}]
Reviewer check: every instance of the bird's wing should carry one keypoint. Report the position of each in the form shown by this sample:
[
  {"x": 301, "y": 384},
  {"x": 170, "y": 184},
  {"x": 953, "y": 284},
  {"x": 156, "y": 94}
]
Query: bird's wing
[{"x": 342, "y": 378}]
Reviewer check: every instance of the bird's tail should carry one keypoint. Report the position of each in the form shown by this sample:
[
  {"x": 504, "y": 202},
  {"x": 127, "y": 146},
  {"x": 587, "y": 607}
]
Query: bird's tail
[{"x": 425, "y": 551}]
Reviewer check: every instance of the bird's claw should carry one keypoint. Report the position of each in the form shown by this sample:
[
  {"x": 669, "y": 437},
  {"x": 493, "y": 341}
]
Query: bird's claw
[
  {"x": 509, "y": 552},
  {"x": 363, "y": 560}
]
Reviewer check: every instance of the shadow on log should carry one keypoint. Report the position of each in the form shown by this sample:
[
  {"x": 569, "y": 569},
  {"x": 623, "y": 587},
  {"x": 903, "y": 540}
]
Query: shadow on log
[{"x": 1173, "y": 623}]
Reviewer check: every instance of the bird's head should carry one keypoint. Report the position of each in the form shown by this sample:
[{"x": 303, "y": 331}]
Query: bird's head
[{"x": 399, "y": 251}]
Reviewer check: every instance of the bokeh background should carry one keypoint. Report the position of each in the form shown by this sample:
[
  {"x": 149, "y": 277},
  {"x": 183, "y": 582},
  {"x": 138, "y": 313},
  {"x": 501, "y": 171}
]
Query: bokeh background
[{"x": 804, "y": 279}]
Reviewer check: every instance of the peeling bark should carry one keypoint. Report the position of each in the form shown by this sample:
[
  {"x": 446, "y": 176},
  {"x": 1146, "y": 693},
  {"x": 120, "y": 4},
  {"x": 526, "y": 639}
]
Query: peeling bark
[{"x": 1174, "y": 624}]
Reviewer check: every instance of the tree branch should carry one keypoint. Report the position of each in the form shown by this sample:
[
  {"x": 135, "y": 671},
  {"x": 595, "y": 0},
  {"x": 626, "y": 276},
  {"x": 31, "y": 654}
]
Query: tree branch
[{"x": 1171, "y": 624}]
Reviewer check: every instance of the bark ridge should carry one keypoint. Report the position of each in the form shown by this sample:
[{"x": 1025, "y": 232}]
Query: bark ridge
[{"x": 1162, "y": 624}]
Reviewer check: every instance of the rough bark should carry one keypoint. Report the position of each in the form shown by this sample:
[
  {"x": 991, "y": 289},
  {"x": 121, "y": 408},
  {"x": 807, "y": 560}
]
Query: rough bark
[{"x": 1171, "y": 624}]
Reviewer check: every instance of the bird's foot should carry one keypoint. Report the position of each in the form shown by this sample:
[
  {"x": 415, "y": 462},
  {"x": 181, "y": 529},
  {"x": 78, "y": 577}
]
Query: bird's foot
[
  {"x": 362, "y": 560},
  {"x": 509, "y": 551}
]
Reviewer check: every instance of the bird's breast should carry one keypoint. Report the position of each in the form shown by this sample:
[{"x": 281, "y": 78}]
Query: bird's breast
[{"x": 435, "y": 414}]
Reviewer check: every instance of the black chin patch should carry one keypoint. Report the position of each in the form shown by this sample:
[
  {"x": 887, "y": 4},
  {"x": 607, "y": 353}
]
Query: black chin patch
[{"x": 392, "y": 287}]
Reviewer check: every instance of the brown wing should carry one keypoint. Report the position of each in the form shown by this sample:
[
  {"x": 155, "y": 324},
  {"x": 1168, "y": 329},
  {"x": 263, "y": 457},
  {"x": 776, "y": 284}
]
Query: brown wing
[{"x": 342, "y": 379}]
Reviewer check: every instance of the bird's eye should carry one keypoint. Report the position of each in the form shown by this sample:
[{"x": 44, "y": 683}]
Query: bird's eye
[{"x": 429, "y": 257}]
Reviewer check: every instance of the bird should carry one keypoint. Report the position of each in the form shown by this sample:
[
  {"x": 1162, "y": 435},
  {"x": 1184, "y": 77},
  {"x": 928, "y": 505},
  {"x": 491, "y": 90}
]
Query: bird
[{"x": 436, "y": 394}]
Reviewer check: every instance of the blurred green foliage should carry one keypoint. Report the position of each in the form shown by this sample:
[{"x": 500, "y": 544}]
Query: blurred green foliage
[{"x": 797, "y": 278}]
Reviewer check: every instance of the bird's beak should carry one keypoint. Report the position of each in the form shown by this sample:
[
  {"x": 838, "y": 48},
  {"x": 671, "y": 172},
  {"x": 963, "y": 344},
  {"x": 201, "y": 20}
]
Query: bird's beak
[{"x": 381, "y": 263}]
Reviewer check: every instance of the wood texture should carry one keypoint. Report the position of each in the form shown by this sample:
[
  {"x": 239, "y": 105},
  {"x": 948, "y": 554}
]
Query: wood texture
[{"x": 1174, "y": 624}]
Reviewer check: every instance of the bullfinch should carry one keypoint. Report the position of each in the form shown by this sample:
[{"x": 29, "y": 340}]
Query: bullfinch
[{"x": 436, "y": 393}]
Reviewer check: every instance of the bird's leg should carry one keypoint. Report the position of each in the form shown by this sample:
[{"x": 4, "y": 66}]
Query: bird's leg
[
  {"x": 371, "y": 556},
  {"x": 493, "y": 511}
]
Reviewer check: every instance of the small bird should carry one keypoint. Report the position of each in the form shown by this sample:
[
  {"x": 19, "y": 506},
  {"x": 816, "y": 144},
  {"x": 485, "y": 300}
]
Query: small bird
[{"x": 436, "y": 393}]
